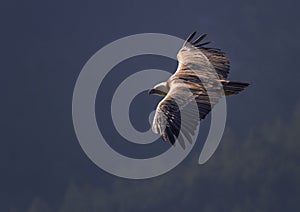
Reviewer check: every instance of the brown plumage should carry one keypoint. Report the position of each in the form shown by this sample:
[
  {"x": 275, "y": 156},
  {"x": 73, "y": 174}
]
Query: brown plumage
[{"x": 191, "y": 92}]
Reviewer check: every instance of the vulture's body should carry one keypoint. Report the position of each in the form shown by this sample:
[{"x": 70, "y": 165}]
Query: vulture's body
[{"x": 191, "y": 92}]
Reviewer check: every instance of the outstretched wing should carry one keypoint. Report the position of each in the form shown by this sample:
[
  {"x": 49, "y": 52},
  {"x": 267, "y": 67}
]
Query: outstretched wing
[
  {"x": 177, "y": 114},
  {"x": 194, "y": 89},
  {"x": 197, "y": 54}
]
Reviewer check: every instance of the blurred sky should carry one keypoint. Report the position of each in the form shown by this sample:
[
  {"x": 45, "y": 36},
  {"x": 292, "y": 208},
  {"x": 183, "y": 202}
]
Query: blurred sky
[{"x": 44, "y": 45}]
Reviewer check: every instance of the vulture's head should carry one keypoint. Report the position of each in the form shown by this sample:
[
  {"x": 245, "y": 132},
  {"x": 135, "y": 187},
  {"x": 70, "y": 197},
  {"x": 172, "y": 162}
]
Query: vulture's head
[{"x": 160, "y": 89}]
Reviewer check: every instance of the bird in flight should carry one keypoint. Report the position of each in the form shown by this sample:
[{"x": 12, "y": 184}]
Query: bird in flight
[{"x": 200, "y": 80}]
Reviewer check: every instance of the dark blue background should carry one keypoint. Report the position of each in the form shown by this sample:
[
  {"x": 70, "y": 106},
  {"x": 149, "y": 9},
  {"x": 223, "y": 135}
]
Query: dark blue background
[{"x": 44, "y": 45}]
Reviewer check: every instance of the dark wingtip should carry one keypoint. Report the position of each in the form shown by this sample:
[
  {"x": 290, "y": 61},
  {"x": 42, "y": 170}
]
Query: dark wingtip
[
  {"x": 203, "y": 44},
  {"x": 191, "y": 36},
  {"x": 170, "y": 135},
  {"x": 200, "y": 38}
]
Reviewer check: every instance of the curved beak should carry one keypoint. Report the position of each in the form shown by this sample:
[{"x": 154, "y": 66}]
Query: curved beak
[
  {"x": 152, "y": 91},
  {"x": 157, "y": 92}
]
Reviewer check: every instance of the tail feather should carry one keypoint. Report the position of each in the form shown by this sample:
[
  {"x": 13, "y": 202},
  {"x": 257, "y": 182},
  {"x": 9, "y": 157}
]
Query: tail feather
[{"x": 231, "y": 87}]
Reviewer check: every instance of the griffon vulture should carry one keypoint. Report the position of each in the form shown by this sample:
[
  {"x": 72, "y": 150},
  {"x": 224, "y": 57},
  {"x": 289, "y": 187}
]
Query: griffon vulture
[{"x": 201, "y": 78}]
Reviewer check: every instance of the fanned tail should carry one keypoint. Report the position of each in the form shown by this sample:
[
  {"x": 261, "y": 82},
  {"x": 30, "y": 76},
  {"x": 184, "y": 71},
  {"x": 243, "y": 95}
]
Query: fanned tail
[{"x": 231, "y": 87}]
